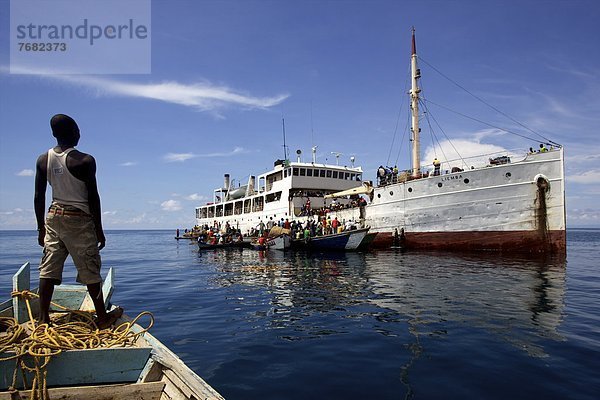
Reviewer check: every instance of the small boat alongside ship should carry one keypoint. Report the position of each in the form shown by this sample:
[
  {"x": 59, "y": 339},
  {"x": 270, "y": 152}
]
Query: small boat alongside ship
[
  {"x": 512, "y": 202},
  {"x": 277, "y": 239},
  {"x": 348, "y": 240},
  {"x": 138, "y": 367}
]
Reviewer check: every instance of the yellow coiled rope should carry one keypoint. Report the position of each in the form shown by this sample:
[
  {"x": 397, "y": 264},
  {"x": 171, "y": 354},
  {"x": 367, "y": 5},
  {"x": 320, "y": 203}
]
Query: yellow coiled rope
[{"x": 70, "y": 331}]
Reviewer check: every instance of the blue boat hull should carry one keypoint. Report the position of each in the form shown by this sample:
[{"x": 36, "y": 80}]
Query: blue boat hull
[{"x": 349, "y": 240}]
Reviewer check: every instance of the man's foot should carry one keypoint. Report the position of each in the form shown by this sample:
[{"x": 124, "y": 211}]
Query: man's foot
[
  {"x": 110, "y": 318},
  {"x": 43, "y": 320}
]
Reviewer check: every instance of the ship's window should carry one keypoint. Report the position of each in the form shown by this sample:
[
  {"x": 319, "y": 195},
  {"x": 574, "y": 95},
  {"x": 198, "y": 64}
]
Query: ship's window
[
  {"x": 410, "y": 189},
  {"x": 322, "y": 173},
  {"x": 358, "y": 177},
  {"x": 335, "y": 174},
  {"x": 329, "y": 173},
  {"x": 273, "y": 197},
  {"x": 378, "y": 195},
  {"x": 316, "y": 173},
  {"x": 439, "y": 184},
  {"x": 508, "y": 175},
  {"x": 391, "y": 193},
  {"x": 302, "y": 171},
  {"x": 466, "y": 180},
  {"x": 309, "y": 171},
  {"x": 351, "y": 177},
  {"x": 347, "y": 175},
  {"x": 295, "y": 171}
]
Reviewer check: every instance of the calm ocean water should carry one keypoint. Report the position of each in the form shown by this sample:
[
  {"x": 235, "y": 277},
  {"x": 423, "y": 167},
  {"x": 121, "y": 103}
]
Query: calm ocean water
[{"x": 384, "y": 325}]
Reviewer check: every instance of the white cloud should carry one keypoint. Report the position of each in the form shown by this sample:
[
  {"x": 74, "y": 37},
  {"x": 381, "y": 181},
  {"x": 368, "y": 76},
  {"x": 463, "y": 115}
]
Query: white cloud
[
  {"x": 195, "y": 197},
  {"x": 128, "y": 164},
  {"x": 178, "y": 157},
  {"x": 473, "y": 152},
  {"x": 203, "y": 96},
  {"x": 181, "y": 157},
  {"x": 170, "y": 205},
  {"x": 588, "y": 177},
  {"x": 26, "y": 172},
  {"x": 109, "y": 212},
  {"x": 585, "y": 216}
]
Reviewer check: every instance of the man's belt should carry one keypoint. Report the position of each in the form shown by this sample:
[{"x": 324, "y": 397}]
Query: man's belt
[{"x": 70, "y": 212}]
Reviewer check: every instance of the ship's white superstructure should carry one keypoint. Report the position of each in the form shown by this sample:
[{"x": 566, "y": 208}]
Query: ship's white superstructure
[{"x": 291, "y": 190}]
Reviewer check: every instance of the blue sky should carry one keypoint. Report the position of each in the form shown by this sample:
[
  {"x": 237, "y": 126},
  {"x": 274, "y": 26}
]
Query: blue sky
[{"x": 224, "y": 73}]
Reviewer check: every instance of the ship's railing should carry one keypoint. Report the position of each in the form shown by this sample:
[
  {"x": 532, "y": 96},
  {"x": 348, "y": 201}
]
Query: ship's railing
[{"x": 457, "y": 165}]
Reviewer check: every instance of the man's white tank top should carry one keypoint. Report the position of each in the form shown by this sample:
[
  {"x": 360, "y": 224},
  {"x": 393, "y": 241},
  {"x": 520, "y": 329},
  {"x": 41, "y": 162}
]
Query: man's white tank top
[{"x": 66, "y": 189}]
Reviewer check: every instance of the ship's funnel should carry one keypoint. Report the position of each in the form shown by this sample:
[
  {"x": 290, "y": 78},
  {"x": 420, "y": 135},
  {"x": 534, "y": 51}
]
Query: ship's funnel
[
  {"x": 226, "y": 182},
  {"x": 251, "y": 185}
]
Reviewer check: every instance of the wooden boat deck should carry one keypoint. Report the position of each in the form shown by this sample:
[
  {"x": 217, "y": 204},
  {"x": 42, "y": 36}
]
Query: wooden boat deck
[{"x": 147, "y": 370}]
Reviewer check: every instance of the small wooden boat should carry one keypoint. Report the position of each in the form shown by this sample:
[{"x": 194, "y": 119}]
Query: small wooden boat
[
  {"x": 348, "y": 240},
  {"x": 145, "y": 369},
  {"x": 186, "y": 237},
  {"x": 280, "y": 242}
]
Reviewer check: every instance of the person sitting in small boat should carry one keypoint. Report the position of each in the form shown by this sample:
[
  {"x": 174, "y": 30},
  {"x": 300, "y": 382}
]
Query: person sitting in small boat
[
  {"x": 349, "y": 225},
  {"x": 261, "y": 241}
]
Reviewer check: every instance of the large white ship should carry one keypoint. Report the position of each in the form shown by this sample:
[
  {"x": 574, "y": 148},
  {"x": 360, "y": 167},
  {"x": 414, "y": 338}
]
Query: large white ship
[
  {"x": 511, "y": 203},
  {"x": 508, "y": 204},
  {"x": 291, "y": 190}
]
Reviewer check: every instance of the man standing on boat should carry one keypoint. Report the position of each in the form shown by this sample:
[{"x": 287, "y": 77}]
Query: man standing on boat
[{"x": 73, "y": 224}]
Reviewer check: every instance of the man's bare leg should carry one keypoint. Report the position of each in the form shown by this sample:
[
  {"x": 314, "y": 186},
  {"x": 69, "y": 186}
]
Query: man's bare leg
[
  {"x": 104, "y": 319},
  {"x": 45, "y": 292}
]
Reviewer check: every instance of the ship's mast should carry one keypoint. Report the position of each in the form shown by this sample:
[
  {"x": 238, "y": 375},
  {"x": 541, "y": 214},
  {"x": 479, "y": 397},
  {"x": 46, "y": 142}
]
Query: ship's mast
[{"x": 414, "y": 96}]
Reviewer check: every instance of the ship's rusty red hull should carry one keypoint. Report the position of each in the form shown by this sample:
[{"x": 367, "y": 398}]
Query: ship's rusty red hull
[{"x": 505, "y": 241}]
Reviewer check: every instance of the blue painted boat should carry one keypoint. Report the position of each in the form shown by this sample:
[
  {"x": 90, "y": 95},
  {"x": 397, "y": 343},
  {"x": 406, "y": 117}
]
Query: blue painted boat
[
  {"x": 146, "y": 369},
  {"x": 348, "y": 240}
]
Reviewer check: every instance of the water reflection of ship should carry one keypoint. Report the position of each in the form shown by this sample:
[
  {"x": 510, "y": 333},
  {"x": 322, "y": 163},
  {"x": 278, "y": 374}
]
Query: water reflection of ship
[{"x": 519, "y": 300}]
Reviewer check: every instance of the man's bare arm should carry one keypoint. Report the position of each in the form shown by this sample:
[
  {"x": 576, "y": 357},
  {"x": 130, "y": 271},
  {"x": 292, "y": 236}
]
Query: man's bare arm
[
  {"x": 94, "y": 197},
  {"x": 39, "y": 198}
]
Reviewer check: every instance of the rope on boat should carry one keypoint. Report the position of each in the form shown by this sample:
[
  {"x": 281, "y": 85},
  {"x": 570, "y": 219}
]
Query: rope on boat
[{"x": 74, "y": 330}]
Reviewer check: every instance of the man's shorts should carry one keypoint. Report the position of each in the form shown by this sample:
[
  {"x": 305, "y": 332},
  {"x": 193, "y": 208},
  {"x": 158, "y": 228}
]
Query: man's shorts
[{"x": 73, "y": 232}]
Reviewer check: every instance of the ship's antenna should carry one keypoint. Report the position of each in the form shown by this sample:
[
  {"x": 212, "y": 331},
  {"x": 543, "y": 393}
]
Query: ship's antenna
[
  {"x": 312, "y": 131},
  {"x": 337, "y": 157},
  {"x": 414, "y": 96},
  {"x": 285, "y": 156}
]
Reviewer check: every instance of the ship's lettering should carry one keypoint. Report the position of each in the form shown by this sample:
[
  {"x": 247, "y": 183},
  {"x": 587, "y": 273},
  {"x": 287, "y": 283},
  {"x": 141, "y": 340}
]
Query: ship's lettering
[{"x": 451, "y": 177}]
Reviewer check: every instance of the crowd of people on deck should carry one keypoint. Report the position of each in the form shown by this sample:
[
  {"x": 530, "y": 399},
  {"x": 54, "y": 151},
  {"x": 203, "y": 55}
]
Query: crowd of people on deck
[
  {"x": 303, "y": 230},
  {"x": 335, "y": 205},
  {"x": 543, "y": 149}
]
